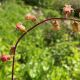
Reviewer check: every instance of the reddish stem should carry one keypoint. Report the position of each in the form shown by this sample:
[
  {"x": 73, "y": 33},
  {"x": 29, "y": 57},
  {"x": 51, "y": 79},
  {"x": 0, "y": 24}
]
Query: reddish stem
[
  {"x": 29, "y": 31},
  {"x": 13, "y": 68}
]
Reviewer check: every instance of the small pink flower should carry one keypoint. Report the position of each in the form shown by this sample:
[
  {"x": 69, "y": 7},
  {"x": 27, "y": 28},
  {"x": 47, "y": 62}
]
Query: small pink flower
[
  {"x": 20, "y": 27},
  {"x": 67, "y": 9},
  {"x": 30, "y": 17},
  {"x": 5, "y": 58}
]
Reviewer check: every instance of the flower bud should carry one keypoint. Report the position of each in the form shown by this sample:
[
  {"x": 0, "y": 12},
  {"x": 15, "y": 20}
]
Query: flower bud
[
  {"x": 20, "y": 27},
  {"x": 75, "y": 26},
  {"x": 56, "y": 25},
  {"x": 67, "y": 10},
  {"x": 5, "y": 58},
  {"x": 30, "y": 17}
]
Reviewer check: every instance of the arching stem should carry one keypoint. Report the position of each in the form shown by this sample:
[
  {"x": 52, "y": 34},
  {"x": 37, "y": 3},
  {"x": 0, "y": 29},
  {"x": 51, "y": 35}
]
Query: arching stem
[{"x": 30, "y": 29}]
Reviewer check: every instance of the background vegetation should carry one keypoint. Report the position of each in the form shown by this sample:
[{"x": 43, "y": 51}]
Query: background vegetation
[{"x": 43, "y": 54}]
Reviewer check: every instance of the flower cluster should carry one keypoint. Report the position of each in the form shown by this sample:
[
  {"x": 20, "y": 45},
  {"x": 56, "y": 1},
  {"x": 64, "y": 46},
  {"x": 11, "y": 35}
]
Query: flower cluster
[{"x": 56, "y": 26}]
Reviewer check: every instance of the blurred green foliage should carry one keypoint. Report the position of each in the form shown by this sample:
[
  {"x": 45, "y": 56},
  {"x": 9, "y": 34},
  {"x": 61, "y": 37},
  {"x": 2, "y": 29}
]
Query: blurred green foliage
[
  {"x": 54, "y": 4},
  {"x": 43, "y": 54}
]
